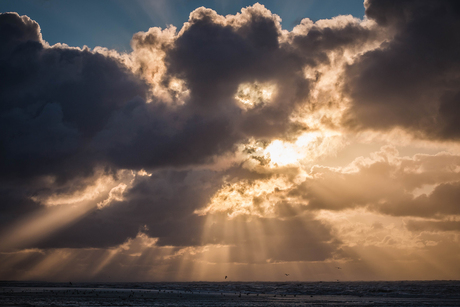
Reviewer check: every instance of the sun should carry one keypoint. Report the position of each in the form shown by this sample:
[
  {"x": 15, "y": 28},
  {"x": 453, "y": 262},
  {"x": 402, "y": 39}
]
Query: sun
[
  {"x": 283, "y": 153},
  {"x": 306, "y": 148}
]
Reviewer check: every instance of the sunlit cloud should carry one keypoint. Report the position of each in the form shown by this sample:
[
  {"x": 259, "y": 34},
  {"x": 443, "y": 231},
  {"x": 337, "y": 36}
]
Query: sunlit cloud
[{"x": 247, "y": 198}]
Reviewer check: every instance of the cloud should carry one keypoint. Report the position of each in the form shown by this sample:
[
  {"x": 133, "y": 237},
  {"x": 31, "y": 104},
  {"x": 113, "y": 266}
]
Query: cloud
[
  {"x": 54, "y": 100},
  {"x": 68, "y": 112},
  {"x": 75, "y": 109},
  {"x": 410, "y": 81},
  {"x": 16, "y": 30},
  {"x": 422, "y": 185},
  {"x": 160, "y": 205}
]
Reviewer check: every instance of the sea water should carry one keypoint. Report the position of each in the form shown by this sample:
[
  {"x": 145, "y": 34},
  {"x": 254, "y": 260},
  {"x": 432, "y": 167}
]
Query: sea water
[{"x": 378, "y": 293}]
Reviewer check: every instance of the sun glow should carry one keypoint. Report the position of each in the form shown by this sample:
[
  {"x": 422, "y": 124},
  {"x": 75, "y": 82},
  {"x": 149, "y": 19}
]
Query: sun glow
[
  {"x": 308, "y": 147},
  {"x": 283, "y": 153}
]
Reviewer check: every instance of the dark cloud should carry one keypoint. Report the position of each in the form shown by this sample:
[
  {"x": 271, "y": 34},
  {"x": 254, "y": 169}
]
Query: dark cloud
[
  {"x": 442, "y": 201},
  {"x": 215, "y": 58},
  {"x": 149, "y": 136},
  {"x": 314, "y": 41},
  {"x": 433, "y": 226},
  {"x": 411, "y": 80},
  {"x": 15, "y": 202},
  {"x": 15, "y": 30},
  {"x": 53, "y": 101}
]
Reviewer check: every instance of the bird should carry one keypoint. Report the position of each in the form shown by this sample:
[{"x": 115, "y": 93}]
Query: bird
[
  {"x": 225, "y": 277},
  {"x": 338, "y": 268},
  {"x": 286, "y": 274}
]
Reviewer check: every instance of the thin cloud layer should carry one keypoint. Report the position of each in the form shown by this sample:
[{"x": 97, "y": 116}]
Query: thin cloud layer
[{"x": 211, "y": 144}]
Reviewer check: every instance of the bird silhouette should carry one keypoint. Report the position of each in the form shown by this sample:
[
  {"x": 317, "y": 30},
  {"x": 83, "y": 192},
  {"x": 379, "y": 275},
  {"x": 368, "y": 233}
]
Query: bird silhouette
[
  {"x": 286, "y": 274},
  {"x": 339, "y": 268},
  {"x": 225, "y": 277}
]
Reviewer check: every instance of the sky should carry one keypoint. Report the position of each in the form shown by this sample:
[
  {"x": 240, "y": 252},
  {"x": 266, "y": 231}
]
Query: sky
[{"x": 193, "y": 140}]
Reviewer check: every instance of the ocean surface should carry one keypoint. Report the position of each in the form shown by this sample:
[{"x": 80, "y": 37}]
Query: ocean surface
[{"x": 381, "y": 293}]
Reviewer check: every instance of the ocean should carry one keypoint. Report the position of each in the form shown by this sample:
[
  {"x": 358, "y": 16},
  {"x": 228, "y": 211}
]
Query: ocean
[{"x": 378, "y": 293}]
